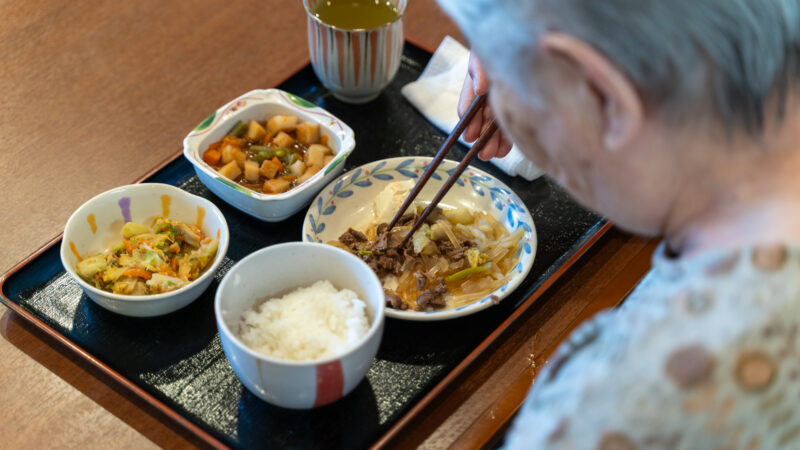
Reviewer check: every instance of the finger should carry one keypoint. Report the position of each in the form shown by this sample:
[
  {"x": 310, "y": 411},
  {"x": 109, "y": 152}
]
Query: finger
[
  {"x": 490, "y": 150},
  {"x": 480, "y": 82},
  {"x": 484, "y": 116},
  {"x": 504, "y": 147},
  {"x": 467, "y": 96},
  {"x": 473, "y": 130}
]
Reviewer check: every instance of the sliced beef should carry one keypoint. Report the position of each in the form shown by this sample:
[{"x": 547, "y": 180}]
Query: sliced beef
[
  {"x": 424, "y": 300},
  {"x": 382, "y": 243},
  {"x": 422, "y": 280},
  {"x": 453, "y": 254},
  {"x": 372, "y": 262},
  {"x": 445, "y": 246},
  {"x": 382, "y": 228},
  {"x": 347, "y": 239},
  {"x": 352, "y": 237},
  {"x": 441, "y": 286},
  {"x": 433, "y": 297},
  {"x": 393, "y": 301},
  {"x": 386, "y": 263},
  {"x": 397, "y": 269},
  {"x": 407, "y": 220}
]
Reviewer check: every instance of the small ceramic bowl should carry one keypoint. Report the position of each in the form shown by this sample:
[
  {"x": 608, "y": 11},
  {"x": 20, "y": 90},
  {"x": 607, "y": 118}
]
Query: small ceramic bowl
[
  {"x": 256, "y": 105},
  {"x": 347, "y": 202},
  {"x": 274, "y": 271},
  {"x": 97, "y": 225}
]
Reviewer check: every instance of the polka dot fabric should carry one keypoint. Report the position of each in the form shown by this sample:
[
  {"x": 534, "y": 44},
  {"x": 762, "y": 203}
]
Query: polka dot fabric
[{"x": 704, "y": 353}]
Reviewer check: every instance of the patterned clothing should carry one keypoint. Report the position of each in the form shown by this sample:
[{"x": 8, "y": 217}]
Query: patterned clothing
[{"x": 704, "y": 353}]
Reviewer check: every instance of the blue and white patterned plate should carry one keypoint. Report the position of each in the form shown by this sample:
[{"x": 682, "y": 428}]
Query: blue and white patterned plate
[{"x": 347, "y": 202}]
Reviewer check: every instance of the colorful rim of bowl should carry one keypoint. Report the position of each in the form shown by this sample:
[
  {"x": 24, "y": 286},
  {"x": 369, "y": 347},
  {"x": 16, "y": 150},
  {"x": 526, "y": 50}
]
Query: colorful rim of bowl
[
  {"x": 191, "y": 142},
  {"x": 504, "y": 201},
  {"x": 81, "y": 211}
]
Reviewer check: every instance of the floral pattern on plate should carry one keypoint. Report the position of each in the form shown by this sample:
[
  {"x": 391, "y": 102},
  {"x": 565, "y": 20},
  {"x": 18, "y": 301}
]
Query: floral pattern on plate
[{"x": 347, "y": 201}]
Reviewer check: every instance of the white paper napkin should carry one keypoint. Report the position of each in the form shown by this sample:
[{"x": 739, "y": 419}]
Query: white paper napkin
[{"x": 435, "y": 94}]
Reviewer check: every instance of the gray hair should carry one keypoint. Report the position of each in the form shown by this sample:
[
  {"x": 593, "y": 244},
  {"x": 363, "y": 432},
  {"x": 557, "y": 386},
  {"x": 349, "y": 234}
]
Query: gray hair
[{"x": 744, "y": 52}]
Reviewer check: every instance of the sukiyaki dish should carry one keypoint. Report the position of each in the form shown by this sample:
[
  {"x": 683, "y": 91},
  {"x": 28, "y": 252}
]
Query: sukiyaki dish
[{"x": 456, "y": 257}]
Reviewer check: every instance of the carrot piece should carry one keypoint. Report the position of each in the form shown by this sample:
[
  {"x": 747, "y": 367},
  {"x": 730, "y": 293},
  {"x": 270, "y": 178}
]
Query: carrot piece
[
  {"x": 279, "y": 163},
  {"x": 174, "y": 264},
  {"x": 139, "y": 273},
  {"x": 323, "y": 140},
  {"x": 165, "y": 269},
  {"x": 215, "y": 146},
  {"x": 289, "y": 177},
  {"x": 212, "y": 157},
  {"x": 128, "y": 245},
  {"x": 236, "y": 142}
]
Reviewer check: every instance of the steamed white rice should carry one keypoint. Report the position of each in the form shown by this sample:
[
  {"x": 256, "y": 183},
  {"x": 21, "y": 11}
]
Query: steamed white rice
[{"x": 309, "y": 323}]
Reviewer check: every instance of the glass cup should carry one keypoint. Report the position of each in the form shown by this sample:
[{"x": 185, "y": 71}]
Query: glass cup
[{"x": 355, "y": 65}]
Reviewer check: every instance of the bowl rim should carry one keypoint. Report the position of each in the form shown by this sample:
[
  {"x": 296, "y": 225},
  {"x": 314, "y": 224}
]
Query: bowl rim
[
  {"x": 376, "y": 325},
  {"x": 401, "y": 15},
  {"x": 257, "y": 97},
  {"x": 446, "y": 314},
  {"x": 209, "y": 272}
]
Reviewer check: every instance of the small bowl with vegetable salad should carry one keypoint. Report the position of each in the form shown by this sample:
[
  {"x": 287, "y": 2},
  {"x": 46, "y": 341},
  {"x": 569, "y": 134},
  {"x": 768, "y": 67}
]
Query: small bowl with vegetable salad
[
  {"x": 146, "y": 249},
  {"x": 268, "y": 152}
]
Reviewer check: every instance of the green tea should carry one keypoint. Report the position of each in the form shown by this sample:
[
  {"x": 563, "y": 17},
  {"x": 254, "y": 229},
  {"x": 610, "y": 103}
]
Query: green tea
[{"x": 356, "y": 14}]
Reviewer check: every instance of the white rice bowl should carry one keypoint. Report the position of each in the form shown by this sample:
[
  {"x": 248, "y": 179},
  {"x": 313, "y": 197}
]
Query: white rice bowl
[{"x": 310, "y": 323}]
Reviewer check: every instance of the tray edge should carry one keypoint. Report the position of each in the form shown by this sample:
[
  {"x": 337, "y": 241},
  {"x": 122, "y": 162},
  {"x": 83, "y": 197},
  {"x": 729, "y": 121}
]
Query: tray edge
[
  {"x": 401, "y": 423},
  {"x": 457, "y": 371}
]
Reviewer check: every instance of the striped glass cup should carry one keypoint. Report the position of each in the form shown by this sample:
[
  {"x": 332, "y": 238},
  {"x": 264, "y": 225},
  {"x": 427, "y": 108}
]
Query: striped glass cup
[{"x": 355, "y": 65}]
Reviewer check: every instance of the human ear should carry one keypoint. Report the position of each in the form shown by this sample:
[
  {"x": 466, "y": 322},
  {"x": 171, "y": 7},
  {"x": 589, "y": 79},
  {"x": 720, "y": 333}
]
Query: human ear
[{"x": 622, "y": 108}]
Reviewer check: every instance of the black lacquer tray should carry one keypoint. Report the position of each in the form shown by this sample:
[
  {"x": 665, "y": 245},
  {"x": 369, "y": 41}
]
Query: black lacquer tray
[{"x": 176, "y": 362}]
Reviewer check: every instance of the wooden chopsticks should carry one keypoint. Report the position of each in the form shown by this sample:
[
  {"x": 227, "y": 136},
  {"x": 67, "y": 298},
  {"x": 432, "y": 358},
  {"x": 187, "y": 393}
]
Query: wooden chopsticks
[
  {"x": 471, "y": 154},
  {"x": 451, "y": 140},
  {"x": 437, "y": 160}
]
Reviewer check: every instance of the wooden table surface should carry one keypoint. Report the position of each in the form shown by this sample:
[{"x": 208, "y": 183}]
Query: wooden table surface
[{"x": 94, "y": 94}]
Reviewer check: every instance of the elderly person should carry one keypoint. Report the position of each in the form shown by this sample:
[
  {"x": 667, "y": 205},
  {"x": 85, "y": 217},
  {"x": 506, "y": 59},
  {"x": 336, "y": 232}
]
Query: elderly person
[{"x": 678, "y": 118}]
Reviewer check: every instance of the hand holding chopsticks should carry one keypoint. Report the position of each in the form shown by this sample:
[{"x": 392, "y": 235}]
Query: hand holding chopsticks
[
  {"x": 448, "y": 144},
  {"x": 473, "y": 152},
  {"x": 451, "y": 140}
]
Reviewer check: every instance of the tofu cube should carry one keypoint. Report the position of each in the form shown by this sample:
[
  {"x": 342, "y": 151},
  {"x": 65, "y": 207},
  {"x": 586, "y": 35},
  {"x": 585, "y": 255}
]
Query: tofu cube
[
  {"x": 281, "y": 123},
  {"x": 255, "y": 132},
  {"x": 310, "y": 171},
  {"x": 308, "y": 133},
  {"x": 269, "y": 169},
  {"x": 282, "y": 139},
  {"x": 230, "y": 170},
  {"x": 297, "y": 168},
  {"x": 227, "y": 153},
  {"x": 251, "y": 170},
  {"x": 240, "y": 157},
  {"x": 315, "y": 156},
  {"x": 276, "y": 186}
]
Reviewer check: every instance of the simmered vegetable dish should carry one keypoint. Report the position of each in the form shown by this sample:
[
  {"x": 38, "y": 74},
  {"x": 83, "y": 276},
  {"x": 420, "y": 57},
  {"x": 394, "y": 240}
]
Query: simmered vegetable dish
[
  {"x": 151, "y": 260},
  {"x": 271, "y": 156}
]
